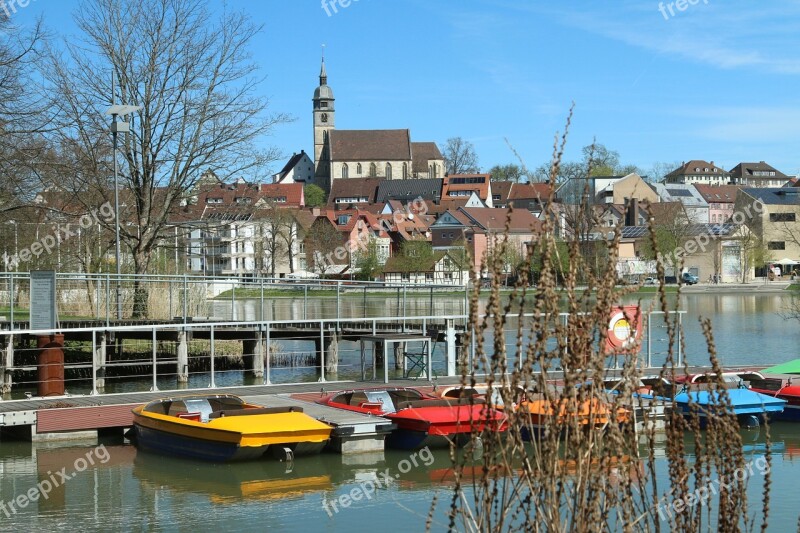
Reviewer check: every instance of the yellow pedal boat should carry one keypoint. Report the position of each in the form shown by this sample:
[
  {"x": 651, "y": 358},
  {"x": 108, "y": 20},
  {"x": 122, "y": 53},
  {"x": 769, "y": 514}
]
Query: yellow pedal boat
[{"x": 225, "y": 428}]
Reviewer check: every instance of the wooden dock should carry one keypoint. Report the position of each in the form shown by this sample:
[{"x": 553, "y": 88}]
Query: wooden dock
[{"x": 71, "y": 417}]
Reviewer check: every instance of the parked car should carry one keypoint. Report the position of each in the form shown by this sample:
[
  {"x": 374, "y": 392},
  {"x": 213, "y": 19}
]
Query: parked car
[
  {"x": 651, "y": 281},
  {"x": 689, "y": 279}
]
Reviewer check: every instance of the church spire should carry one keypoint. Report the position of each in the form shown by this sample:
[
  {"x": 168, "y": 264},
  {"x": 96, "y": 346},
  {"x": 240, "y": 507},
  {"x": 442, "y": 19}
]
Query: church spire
[{"x": 323, "y": 76}]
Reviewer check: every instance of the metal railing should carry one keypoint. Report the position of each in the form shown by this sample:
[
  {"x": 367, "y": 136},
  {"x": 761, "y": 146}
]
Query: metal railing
[
  {"x": 135, "y": 358},
  {"x": 186, "y": 297}
]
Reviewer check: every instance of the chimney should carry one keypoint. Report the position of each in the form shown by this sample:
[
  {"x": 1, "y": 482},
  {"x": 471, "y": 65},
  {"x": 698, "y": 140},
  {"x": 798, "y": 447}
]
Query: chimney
[
  {"x": 315, "y": 211},
  {"x": 632, "y": 212}
]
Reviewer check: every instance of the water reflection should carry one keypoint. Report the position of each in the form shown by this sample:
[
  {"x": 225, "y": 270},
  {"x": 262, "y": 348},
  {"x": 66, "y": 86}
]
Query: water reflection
[{"x": 135, "y": 491}]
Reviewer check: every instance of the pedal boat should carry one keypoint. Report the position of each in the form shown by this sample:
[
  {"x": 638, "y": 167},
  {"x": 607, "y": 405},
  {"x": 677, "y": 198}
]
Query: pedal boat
[
  {"x": 225, "y": 428},
  {"x": 421, "y": 420}
]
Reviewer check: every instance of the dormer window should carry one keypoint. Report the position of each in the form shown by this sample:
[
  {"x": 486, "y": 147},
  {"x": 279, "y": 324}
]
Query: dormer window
[
  {"x": 210, "y": 200},
  {"x": 342, "y": 220},
  {"x": 242, "y": 200}
]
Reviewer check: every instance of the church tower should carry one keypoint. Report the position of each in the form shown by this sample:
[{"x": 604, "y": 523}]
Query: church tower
[{"x": 323, "y": 123}]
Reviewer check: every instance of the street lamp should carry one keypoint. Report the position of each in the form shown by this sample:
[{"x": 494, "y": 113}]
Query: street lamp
[
  {"x": 118, "y": 126},
  {"x": 16, "y": 245}
]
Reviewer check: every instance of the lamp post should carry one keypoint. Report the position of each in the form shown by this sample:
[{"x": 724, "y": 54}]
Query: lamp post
[
  {"x": 16, "y": 245},
  {"x": 118, "y": 126}
]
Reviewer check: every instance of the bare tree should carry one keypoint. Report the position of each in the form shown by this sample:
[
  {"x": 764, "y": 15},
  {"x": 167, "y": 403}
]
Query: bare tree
[
  {"x": 193, "y": 79},
  {"x": 20, "y": 115},
  {"x": 323, "y": 241},
  {"x": 460, "y": 157}
]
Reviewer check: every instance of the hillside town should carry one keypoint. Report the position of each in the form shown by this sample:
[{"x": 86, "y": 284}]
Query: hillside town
[{"x": 375, "y": 205}]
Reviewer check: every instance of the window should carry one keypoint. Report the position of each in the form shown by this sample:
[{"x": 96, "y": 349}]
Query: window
[
  {"x": 776, "y": 245},
  {"x": 428, "y": 276},
  {"x": 358, "y": 169},
  {"x": 301, "y": 247},
  {"x": 388, "y": 171},
  {"x": 496, "y": 197},
  {"x": 342, "y": 219},
  {"x": 213, "y": 200},
  {"x": 323, "y": 104},
  {"x": 405, "y": 276},
  {"x": 345, "y": 171},
  {"x": 243, "y": 200},
  {"x": 373, "y": 170},
  {"x": 405, "y": 170},
  {"x": 781, "y": 217},
  {"x": 277, "y": 200}
]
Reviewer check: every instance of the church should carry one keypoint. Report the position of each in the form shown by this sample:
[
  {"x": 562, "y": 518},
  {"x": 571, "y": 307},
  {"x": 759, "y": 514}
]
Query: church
[{"x": 388, "y": 154}]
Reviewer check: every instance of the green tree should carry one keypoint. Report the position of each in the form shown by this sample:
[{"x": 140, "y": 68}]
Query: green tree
[
  {"x": 315, "y": 195},
  {"x": 368, "y": 265}
]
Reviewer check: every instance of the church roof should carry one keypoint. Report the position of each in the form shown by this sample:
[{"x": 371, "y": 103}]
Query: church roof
[
  {"x": 422, "y": 153},
  {"x": 370, "y": 145}
]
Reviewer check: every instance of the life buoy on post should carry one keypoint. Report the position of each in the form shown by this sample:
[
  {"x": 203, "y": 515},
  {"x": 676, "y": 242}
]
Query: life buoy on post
[{"x": 624, "y": 330}]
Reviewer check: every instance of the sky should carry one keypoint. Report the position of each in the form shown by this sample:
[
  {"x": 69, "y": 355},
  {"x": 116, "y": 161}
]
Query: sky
[{"x": 655, "y": 81}]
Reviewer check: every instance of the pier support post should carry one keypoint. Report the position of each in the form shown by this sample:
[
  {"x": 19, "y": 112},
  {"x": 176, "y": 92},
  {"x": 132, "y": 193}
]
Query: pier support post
[
  {"x": 450, "y": 342},
  {"x": 183, "y": 357},
  {"x": 8, "y": 362},
  {"x": 399, "y": 355},
  {"x": 462, "y": 350},
  {"x": 253, "y": 352},
  {"x": 100, "y": 358},
  {"x": 332, "y": 356}
]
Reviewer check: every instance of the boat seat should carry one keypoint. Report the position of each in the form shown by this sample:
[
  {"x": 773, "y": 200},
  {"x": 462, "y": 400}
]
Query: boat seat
[
  {"x": 257, "y": 411},
  {"x": 371, "y": 405},
  {"x": 189, "y": 416},
  {"x": 199, "y": 406},
  {"x": 440, "y": 403}
]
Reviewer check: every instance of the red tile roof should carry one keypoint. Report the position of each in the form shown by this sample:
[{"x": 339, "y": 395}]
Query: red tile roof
[
  {"x": 291, "y": 192},
  {"x": 721, "y": 194}
]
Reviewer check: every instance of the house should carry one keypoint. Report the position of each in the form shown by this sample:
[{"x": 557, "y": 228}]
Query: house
[
  {"x": 299, "y": 169},
  {"x": 358, "y": 228},
  {"x": 720, "y": 198},
  {"x": 441, "y": 268},
  {"x": 758, "y": 174},
  {"x": 698, "y": 171},
  {"x": 627, "y": 187},
  {"x": 429, "y": 190},
  {"x": 466, "y": 185},
  {"x": 705, "y": 250},
  {"x": 235, "y": 230},
  {"x": 772, "y": 214},
  {"x": 354, "y": 193},
  {"x": 696, "y": 206},
  {"x": 479, "y": 231},
  {"x": 283, "y": 195}
]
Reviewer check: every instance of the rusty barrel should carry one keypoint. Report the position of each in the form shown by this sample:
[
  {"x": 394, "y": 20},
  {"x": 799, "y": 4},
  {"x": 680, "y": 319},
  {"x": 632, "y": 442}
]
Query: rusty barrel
[{"x": 51, "y": 365}]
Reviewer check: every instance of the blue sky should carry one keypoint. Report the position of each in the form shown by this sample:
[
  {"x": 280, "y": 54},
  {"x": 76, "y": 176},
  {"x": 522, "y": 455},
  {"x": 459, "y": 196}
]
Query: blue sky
[{"x": 716, "y": 81}]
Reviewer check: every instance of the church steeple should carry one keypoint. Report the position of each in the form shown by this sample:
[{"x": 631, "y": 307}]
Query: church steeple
[
  {"x": 323, "y": 76},
  {"x": 324, "y": 122}
]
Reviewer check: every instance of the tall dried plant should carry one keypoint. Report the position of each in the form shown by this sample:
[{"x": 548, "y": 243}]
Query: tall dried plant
[{"x": 573, "y": 476}]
